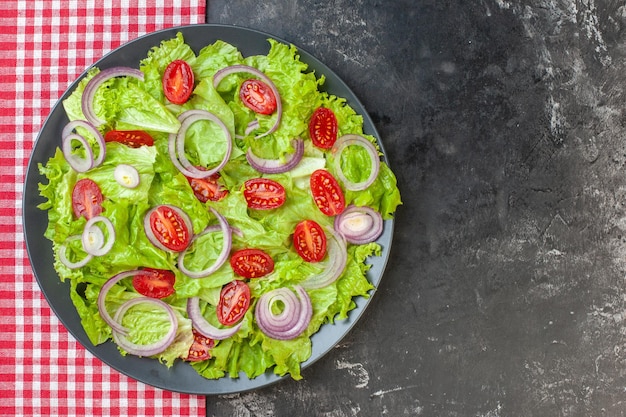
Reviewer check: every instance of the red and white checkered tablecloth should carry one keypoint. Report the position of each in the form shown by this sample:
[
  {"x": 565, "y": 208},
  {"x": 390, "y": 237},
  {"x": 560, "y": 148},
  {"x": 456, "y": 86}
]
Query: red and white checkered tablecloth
[{"x": 46, "y": 44}]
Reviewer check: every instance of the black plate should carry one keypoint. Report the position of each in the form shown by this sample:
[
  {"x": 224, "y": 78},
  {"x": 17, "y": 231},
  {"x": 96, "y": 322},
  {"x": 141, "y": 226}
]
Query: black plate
[{"x": 181, "y": 377}]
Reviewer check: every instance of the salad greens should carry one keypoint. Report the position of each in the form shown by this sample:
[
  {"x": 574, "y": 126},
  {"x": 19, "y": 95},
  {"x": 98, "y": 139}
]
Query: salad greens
[{"x": 128, "y": 103}]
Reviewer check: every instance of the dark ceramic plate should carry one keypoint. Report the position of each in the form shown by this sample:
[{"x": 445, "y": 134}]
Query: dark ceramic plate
[{"x": 181, "y": 377}]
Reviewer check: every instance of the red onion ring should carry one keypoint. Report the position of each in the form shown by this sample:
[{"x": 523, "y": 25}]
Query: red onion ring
[
  {"x": 76, "y": 162},
  {"x": 282, "y": 326},
  {"x": 99, "y": 246},
  {"x": 148, "y": 229},
  {"x": 276, "y": 166},
  {"x": 333, "y": 266},
  {"x": 94, "y": 83},
  {"x": 352, "y": 139},
  {"x": 203, "y": 326},
  {"x": 359, "y": 225},
  {"x": 223, "y": 256},
  {"x": 234, "y": 69},
  {"x": 63, "y": 257},
  {"x": 153, "y": 348}
]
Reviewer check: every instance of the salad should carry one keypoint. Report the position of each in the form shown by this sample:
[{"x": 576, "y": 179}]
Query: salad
[{"x": 214, "y": 208}]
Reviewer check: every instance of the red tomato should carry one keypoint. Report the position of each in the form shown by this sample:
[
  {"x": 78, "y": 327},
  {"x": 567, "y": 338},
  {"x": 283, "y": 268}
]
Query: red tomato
[
  {"x": 87, "y": 199},
  {"x": 159, "y": 284},
  {"x": 327, "y": 193},
  {"x": 178, "y": 81},
  {"x": 323, "y": 128},
  {"x": 130, "y": 138},
  {"x": 251, "y": 263},
  {"x": 263, "y": 194},
  {"x": 169, "y": 228},
  {"x": 200, "y": 349},
  {"x": 310, "y": 241},
  {"x": 209, "y": 188},
  {"x": 257, "y": 96},
  {"x": 234, "y": 302}
]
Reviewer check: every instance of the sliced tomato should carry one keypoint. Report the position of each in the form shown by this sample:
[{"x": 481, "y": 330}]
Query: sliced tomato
[
  {"x": 251, "y": 263},
  {"x": 258, "y": 96},
  {"x": 178, "y": 81},
  {"x": 234, "y": 302},
  {"x": 169, "y": 227},
  {"x": 327, "y": 193},
  {"x": 87, "y": 199},
  {"x": 310, "y": 241},
  {"x": 209, "y": 188},
  {"x": 200, "y": 349},
  {"x": 130, "y": 138},
  {"x": 323, "y": 128},
  {"x": 263, "y": 194},
  {"x": 159, "y": 284}
]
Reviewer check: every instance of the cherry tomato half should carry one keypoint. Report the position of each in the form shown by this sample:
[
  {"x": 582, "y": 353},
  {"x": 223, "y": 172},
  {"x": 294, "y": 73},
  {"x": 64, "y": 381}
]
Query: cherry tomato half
[
  {"x": 327, "y": 193},
  {"x": 310, "y": 241},
  {"x": 130, "y": 138},
  {"x": 169, "y": 228},
  {"x": 263, "y": 194},
  {"x": 234, "y": 302},
  {"x": 200, "y": 349},
  {"x": 87, "y": 199},
  {"x": 258, "y": 96},
  {"x": 208, "y": 188},
  {"x": 323, "y": 128},
  {"x": 178, "y": 81},
  {"x": 251, "y": 263},
  {"x": 159, "y": 284}
]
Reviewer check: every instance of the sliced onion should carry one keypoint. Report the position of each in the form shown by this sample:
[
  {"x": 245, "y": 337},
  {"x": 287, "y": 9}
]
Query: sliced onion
[
  {"x": 150, "y": 233},
  {"x": 359, "y": 225},
  {"x": 93, "y": 238},
  {"x": 76, "y": 162},
  {"x": 234, "y": 69},
  {"x": 276, "y": 166},
  {"x": 116, "y": 326},
  {"x": 223, "y": 256},
  {"x": 292, "y": 321},
  {"x": 352, "y": 139},
  {"x": 204, "y": 327},
  {"x": 153, "y": 348},
  {"x": 252, "y": 126},
  {"x": 94, "y": 83},
  {"x": 126, "y": 175},
  {"x": 333, "y": 265},
  {"x": 63, "y": 257},
  {"x": 176, "y": 144}
]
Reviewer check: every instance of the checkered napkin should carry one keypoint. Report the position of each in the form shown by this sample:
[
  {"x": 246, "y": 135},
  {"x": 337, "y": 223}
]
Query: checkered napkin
[{"x": 45, "y": 46}]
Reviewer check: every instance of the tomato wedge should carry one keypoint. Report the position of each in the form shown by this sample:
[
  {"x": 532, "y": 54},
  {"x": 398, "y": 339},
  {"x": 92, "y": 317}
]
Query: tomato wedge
[
  {"x": 234, "y": 302},
  {"x": 310, "y": 241},
  {"x": 169, "y": 228},
  {"x": 178, "y": 81},
  {"x": 258, "y": 96},
  {"x": 159, "y": 284},
  {"x": 87, "y": 199},
  {"x": 323, "y": 128},
  {"x": 251, "y": 263},
  {"x": 200, "y": 349},
  {"x": 130, "y": 138},
  {"x": 208, "y": 189},
  {"x": 327, "y": 193},
  {"x": 263, "y": 194}
]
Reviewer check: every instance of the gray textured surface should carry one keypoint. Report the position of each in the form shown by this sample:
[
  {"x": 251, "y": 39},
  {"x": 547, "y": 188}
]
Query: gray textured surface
[{"x": 504, "y": 122}]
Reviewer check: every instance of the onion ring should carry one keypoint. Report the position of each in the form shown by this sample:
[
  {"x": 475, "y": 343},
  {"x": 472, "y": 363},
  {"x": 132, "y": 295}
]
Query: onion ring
[{"x": 353, "y": 139}]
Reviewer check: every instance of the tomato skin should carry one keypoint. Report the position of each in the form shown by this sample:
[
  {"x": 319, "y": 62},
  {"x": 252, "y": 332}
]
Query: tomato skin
[
  {"x": 327, "y": 193},
  {"x": 258, "y": 96},
  {"x": 251, "y": 263},
  {"x": 234, "y": 302},
  {"x": 208, "y": 189},
  {"x": 264, "y": 194},
  {"x": 169, "y": 227},
  {"x": 87, "y": 199},
  {"x": 323, "y": 128},
  {"x": 200, "y": 349},
  {"x": 159, "y": 284},
  {"x": 309, "y": 240},
  {"x": 130, "y": 138},
  {"x": 178, "y": 81}
]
